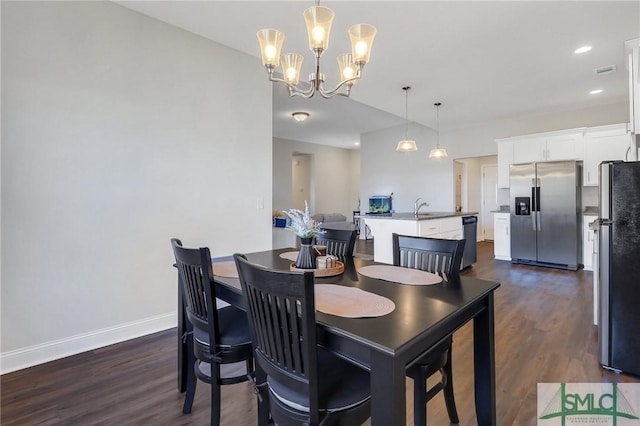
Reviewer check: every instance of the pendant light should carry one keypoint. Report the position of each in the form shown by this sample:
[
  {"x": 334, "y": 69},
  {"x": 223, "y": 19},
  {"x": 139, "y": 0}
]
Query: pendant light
[
  {"x": 438, "y": 152},
  {"x": 406, "y": 145}
]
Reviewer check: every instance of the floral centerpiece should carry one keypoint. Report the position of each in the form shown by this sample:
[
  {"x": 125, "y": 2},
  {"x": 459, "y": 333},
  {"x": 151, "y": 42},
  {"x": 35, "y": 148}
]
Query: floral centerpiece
[
  {"x": 302, "y": 223},
  {"x": 307, "y": 229}
]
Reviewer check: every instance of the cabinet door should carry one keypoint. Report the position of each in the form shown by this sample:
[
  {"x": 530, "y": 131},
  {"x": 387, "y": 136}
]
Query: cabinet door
[
  {"x": 505, "y": 158},
  {"x": 429, "y": 228},
  {"x": 529, "y": 150},
  {"x": 451, "y": 235},
  {"x": 605, "y": 144},
  {"x": 502, "y": 239},
  {"x": 587, "y": 243},
  {"x": 564, "y": 147}
]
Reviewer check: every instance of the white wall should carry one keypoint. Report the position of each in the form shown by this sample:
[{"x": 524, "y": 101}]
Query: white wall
[
  {"x": 412, "y": 175},
  {"x": 330, "y": 177},
  {"x": 354, "y": 179},
  {"x": 300, "y": 180},
  {"x": 119, "y": 132}
]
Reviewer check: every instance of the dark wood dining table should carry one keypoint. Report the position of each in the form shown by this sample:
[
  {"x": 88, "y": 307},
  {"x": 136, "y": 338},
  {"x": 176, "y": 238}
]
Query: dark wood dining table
[{"x": 387, "y": 345}]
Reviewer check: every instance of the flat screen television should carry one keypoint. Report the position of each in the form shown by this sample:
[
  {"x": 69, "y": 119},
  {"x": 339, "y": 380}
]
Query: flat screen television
[{"x": 380, "y": 204}]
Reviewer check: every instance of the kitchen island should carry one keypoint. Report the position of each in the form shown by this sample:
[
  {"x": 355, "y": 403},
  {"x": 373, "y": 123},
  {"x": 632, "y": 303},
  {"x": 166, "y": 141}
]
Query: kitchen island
[{"x": 447, "y": 225}]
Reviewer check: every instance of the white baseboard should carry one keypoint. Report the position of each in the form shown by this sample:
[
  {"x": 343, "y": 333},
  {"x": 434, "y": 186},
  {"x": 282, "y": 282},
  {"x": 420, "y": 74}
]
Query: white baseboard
[{"x": 56, "y": 349}]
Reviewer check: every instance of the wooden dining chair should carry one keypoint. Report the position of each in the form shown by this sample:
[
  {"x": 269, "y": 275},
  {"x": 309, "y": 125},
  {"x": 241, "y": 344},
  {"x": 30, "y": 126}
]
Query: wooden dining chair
[
  {"x": 220, "y": 336},
  {"x": 306, "y": 384},
  {"x": 339, "y": 242},
  {"x": 443, "y": 257}
]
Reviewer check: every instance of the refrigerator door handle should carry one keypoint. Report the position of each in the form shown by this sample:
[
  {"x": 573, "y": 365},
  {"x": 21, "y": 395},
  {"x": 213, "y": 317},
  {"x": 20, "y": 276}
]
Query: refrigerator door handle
[
  {"x": 539, "y": 224},
  {"x": 537, "y": 192},
  {"x": 533, "y": 206}
]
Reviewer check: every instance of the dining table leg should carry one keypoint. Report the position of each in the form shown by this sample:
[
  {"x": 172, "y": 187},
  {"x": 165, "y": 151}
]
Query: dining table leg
[
  {"x": 388, "y": 391},
  {"x": 484, "y": 365}
]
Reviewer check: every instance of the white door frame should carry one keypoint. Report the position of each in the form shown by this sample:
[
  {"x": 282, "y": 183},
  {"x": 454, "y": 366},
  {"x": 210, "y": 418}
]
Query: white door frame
[{"x": 486, "y": 210}]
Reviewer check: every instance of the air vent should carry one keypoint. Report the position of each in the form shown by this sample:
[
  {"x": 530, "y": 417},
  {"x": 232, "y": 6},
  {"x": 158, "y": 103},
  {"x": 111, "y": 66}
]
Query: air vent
[{"x": 605, "y": 70}]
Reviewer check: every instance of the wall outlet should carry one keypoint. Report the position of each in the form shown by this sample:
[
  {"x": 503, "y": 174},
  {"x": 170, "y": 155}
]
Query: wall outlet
[{"x": 260, "y": 203}]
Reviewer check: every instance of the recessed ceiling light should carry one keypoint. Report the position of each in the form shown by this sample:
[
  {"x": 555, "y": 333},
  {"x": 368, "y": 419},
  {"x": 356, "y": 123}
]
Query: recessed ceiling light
[
  {"x": 582, "y": 49},
  {"x": 300, "y": 115},
  {"x": 356, "y": 143},
  {"x": 595, "y": 92}
]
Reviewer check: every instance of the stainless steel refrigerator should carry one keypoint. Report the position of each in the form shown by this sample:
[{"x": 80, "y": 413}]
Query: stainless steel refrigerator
[
  {"x": 619, "y": 261},
  {"x": 545, "y": 214}
]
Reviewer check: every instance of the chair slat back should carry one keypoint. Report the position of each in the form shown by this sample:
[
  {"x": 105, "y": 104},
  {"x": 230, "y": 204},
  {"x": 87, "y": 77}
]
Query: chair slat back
[
  {"x": 281, "y": 312},
  {"x": 428, "y": 254},
  {"x": 339, "y": 242},
  {"x": 196, "y": 276}
]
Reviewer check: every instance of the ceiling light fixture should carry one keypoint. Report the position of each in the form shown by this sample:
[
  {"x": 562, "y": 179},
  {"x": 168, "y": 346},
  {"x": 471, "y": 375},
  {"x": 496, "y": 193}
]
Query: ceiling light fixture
[
  {"x": 318, "y": 20},
  {"x": 582, "y": 49},
  {"x": 438, "y": 152},
  {"x": 300, "y": 115},
  {"x": 595, "y": 92},
  {"x": 406, "y": 145}
]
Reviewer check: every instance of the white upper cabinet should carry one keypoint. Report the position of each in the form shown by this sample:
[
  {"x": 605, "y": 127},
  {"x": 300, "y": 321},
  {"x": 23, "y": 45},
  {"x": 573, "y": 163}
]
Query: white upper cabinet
[
  {"x": 633, "y": 65},
  {"x": 548, "y": 147},
  {"x": 604, "y": 143},
  {"x": 505, "y": 158}
]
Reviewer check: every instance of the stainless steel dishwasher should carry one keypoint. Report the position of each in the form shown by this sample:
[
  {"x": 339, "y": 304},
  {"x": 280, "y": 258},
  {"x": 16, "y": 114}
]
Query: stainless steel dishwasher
[{"x": 469, "y": 229}]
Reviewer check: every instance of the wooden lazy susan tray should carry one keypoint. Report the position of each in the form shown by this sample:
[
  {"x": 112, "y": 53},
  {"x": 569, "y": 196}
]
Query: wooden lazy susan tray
[{"x": 326, "y": 272}]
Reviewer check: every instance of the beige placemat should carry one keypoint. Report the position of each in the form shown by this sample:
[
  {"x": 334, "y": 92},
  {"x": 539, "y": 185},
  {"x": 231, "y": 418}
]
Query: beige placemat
[
  {"x": 290, "y": 255},
  {"x": 225, "y": 269},
  {"x": 399, "y": 274},
  {"x": 351, "y": 302}
]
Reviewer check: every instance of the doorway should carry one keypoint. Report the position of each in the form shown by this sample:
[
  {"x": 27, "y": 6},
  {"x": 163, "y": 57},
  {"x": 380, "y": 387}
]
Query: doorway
[{"x": 471, "y": 191}]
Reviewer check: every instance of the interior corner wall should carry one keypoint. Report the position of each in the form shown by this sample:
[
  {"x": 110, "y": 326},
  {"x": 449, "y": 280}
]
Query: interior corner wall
[
  {"x": 412, "y": 175},
  {"x": 330, "y": 177},
  {"x": 119, "y": 132},
  {"x": 354, "y": 179}
]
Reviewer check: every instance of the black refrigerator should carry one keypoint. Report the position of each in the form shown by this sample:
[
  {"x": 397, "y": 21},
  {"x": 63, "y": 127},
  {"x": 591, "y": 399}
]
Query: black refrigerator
[{"x": 619, "y": 259}]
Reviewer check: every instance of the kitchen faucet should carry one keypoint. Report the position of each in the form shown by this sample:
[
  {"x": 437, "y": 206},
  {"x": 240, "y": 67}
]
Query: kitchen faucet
[{"x": 416, "y": 207}]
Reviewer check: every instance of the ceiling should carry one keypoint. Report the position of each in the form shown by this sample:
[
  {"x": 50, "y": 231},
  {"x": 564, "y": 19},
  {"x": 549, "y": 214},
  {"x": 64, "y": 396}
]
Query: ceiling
[{"x": 484, "y": 60}]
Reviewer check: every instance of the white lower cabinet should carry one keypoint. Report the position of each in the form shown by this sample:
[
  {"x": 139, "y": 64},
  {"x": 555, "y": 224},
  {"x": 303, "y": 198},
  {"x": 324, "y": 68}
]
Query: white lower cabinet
[
  {"x": 587, "y": 242},
  {"x": 502, "y": 236},
  {"x": 605, "y": 143}
]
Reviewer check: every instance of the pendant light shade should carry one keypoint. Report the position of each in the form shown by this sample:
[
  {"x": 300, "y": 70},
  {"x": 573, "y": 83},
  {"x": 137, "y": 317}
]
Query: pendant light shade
[
  {"x": 406, "y": 145},
  {"x": 438, "y": 152}
]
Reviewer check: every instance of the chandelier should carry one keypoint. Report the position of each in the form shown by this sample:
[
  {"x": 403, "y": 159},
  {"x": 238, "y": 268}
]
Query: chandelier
[
  {"x": 406, "y": 145},
  {"x": 438, "y": 152},
  {"x": 319, "y": 20}
]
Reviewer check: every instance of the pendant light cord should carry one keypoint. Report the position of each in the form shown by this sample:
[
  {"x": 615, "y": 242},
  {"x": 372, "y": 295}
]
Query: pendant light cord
[
  {"x": 406, "y": 111},
  {"x": 437, "y": 104}
]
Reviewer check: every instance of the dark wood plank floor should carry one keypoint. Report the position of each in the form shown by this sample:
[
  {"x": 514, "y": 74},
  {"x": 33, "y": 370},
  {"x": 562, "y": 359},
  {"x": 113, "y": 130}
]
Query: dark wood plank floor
[{"x": 544, "y": 333}]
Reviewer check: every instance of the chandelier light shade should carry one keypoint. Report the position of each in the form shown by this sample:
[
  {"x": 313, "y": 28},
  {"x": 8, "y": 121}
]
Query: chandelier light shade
[
  {"x": 318, "y": 20},
  {"x": 438, "y": 152},
  {"x": 406, "y": 145}
]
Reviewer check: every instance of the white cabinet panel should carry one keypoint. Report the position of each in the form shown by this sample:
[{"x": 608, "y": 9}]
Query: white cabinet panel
[
  {"x": 604, "y": 143},
  {"x": 451, "y": 235},
  {"x": 587, "y": 242},
  {"x": 451, "y": 224},
  {"x": 633, "y": 65},
  {"x": 505, "y": 158},
  {"x": 564, "y": 147},
  {"x": 501, "y": 235},
  {"x": 555, "y": 147},
  {"x": 429, "y": 227},
  {"x": 529, "y": 150}
]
